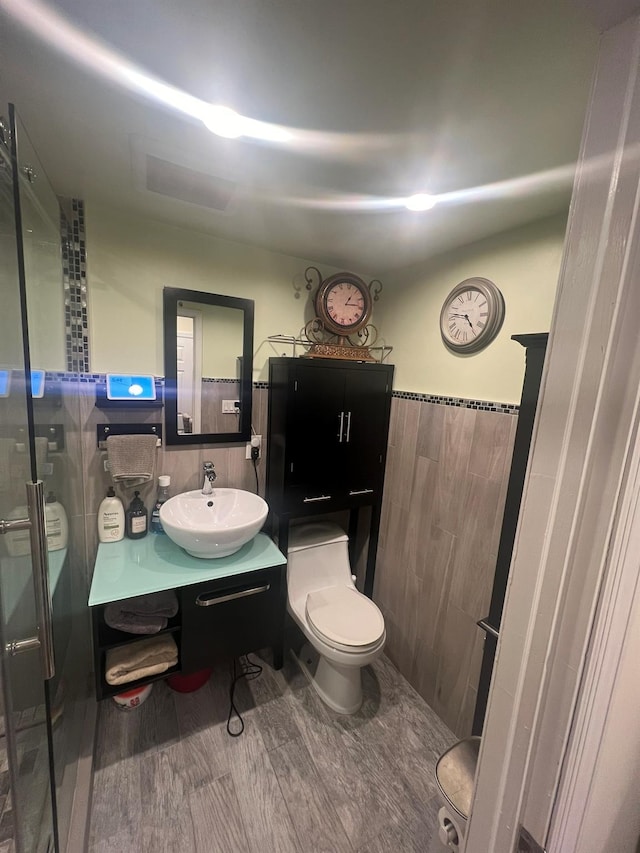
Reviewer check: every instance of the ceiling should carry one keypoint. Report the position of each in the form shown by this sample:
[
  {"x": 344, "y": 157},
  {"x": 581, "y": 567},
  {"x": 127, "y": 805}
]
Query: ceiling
[{"x": 479, "y": 100}]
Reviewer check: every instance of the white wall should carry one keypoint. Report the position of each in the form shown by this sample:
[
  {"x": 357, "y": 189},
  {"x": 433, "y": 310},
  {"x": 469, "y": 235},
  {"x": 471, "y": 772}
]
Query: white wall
[
  {"x": 523, "y": 263},
  {"x": 131, "y": 259}
]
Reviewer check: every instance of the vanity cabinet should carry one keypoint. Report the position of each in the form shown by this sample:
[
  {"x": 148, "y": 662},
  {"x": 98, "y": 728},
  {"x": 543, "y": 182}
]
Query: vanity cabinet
[
  {"x": 231, "y": 617},
  {"x": 327, "y": 438},
  {"x": 227, "y": 607}
]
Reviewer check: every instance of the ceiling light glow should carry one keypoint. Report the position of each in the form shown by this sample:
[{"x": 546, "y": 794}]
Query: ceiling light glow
[
  {"x": 224, "y": 121},
  {"x": 421, "y": 201}
]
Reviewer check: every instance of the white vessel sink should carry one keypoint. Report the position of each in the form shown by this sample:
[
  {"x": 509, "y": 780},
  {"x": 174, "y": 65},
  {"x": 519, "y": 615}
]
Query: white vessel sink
[{"x": 214, "y": 525}]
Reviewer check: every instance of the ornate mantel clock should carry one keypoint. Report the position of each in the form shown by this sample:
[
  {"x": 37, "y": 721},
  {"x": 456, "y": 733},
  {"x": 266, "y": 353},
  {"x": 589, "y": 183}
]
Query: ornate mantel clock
[{"x": 341, "y": 328}]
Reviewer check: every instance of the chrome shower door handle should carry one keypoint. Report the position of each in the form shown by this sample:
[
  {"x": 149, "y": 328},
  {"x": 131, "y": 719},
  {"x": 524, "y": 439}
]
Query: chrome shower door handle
[
  {"x": 36, "y": 525},
  {"x": 40, "y": 560},
  {"x": 348, "y": 426},
  {"x": 341, "y": 416}
]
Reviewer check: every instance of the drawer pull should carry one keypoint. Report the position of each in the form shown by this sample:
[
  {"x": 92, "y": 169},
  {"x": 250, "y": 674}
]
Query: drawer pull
[
  {"x": 360, "y": 492},
  {"x": 313, "y": 500},
  {"x": 203, "y": 601}
]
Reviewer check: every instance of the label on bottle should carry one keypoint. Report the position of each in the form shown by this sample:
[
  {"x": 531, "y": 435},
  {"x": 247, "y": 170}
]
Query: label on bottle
[{"x": 138, "y": 524}]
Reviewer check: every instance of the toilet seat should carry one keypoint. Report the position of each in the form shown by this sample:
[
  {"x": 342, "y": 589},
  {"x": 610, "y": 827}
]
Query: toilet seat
[{"x": 344, "y": 618}]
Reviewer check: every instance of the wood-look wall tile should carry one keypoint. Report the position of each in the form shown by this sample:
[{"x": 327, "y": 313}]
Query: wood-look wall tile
[
  {"x": 405, "y": 451},
  {"x": 308, "y": 803},
  {"x": 473, "y": 563},
  {"x": 217, "y": 818},
  {"x": 430, "y": 429},
  {"x": 424, "y": 671},
  {"x": 464, "y": 724},
  {"x": 455, "y": 649},
  {"x": 455, "y": 451},
  {"x": 417, "y": 519},
  {"x": 410, "y": 604},
  {"x": 436, "y": 572},
  {"x": 491, "y": 445}
]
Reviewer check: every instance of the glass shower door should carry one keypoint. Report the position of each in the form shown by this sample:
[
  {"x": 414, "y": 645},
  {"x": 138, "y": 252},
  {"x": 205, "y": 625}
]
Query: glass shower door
[
  {"x": 57, "y": 426},
  {"x": 26, "y": 807}
]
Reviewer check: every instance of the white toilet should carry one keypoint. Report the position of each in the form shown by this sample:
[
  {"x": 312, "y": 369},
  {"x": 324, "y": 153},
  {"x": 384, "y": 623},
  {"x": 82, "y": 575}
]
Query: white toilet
[{"x": 344, "y": 628}]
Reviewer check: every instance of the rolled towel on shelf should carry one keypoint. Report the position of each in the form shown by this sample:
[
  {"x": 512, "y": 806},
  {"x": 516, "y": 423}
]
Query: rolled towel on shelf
[
  {"x": 143, "y": 614},
  {"x": 141, "y": 659},
  {"x": 132, "y": 458}
]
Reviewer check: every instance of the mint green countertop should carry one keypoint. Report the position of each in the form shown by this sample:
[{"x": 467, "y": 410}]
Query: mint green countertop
[{"x": 139, "y": 566}]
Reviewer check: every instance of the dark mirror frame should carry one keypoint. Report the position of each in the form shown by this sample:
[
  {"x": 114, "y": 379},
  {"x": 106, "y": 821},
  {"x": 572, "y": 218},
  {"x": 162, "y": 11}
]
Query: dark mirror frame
[{"x": 171, "y": 297}]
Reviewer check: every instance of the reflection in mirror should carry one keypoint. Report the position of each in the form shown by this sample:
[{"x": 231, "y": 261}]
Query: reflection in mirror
[
  {"x": 208, "y": 366},
  {"x": 209, "y": 357}
]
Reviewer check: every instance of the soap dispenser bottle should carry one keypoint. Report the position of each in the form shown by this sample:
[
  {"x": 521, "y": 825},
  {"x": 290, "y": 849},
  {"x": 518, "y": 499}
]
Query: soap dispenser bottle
[
  {"x": 136, "y": 518},
  {"x": 111, "y": 518},
  {"x": 57, "y": 525}
]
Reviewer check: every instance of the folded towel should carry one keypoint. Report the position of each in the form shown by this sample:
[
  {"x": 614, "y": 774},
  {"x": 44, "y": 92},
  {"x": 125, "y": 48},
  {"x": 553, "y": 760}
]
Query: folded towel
[
  {"x": 144, "y": 614},
  {"x": 140, "y": 660},
  {"x": 131, "y": 458}
]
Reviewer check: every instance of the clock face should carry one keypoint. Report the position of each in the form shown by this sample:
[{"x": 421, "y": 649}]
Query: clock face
[
  {"x": 472, "y": 315},
  {"x": 343, "y": 303}
]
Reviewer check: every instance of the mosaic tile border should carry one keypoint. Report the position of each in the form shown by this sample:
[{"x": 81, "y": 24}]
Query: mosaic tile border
[
  {"x": 459, "y": 402},
  {"x": 74, "y": 277}
]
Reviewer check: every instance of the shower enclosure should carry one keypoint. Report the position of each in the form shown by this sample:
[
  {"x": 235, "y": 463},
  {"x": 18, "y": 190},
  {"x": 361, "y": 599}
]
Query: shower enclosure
[{"x": 46, "y": 706}]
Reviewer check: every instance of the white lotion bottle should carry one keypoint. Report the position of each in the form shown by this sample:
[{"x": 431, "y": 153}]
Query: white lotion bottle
[
  {"x": 111, "y": 518},
  {"x": 56, "y": 522}
]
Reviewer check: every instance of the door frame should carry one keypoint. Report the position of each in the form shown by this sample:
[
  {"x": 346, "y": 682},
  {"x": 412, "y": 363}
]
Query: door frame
[{"x": 563, "y": 648}]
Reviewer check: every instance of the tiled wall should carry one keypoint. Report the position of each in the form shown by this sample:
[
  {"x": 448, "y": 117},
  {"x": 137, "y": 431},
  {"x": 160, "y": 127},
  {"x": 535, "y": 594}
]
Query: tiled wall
[{"x": 446, "y": 478}]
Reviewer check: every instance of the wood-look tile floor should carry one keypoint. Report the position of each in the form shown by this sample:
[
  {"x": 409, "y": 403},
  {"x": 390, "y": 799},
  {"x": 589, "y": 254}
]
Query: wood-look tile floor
[{"x": 301, "y": 778}]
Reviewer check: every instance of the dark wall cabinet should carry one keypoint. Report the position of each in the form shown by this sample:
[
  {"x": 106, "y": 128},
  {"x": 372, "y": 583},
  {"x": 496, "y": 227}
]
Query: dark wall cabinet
[{"x": 327, "y": 439}]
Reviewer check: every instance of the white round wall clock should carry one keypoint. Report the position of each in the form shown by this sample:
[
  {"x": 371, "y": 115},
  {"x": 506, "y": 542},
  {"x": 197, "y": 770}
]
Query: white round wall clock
[{"x": 472, "y": 315}]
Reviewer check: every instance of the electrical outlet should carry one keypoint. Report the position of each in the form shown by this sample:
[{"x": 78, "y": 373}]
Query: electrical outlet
[
  {"x": 256, "y": 441},
  {"x": 229, "y": 407}
]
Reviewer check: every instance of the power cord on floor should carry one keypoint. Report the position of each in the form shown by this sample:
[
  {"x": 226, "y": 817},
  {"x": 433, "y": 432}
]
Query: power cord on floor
[{"x": 249, "y": 670}]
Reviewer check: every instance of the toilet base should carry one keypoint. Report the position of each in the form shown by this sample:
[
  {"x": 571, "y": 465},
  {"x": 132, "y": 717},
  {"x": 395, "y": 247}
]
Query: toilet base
[{"x": 339, "y": 687}]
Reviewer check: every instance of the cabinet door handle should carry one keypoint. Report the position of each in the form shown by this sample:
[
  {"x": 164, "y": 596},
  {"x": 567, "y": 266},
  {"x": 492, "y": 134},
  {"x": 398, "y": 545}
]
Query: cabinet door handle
[
  {"x": 203, "y": 601},
  {"x": 348, "y": 426},
  {"x": 341, "y": 426},
  {"x": 360, "y": 492},
  {"x": 320, "y": 498}
]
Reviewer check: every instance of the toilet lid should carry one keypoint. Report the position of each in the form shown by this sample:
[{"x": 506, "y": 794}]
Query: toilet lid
[{"x": 344, "y": 616}]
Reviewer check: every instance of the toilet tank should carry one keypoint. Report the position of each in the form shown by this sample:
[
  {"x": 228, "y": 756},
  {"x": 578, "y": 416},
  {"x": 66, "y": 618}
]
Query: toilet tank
[{"x": 318, "y": 557}]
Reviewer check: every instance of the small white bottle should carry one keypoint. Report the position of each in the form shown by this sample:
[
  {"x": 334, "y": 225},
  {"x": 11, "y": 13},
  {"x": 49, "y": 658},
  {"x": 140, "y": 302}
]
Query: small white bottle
[
  {"x": 56, "y": 524},
  {"x": 111, "y": 518}
]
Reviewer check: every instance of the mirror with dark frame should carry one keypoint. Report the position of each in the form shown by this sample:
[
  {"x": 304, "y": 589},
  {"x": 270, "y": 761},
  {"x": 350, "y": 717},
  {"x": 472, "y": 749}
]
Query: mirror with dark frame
[{"x": 208, "y": 358}]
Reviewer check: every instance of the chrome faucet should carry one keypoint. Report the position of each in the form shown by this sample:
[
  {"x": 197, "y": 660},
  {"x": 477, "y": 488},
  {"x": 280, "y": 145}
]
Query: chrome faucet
[{"x": 209, "y": 477}]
